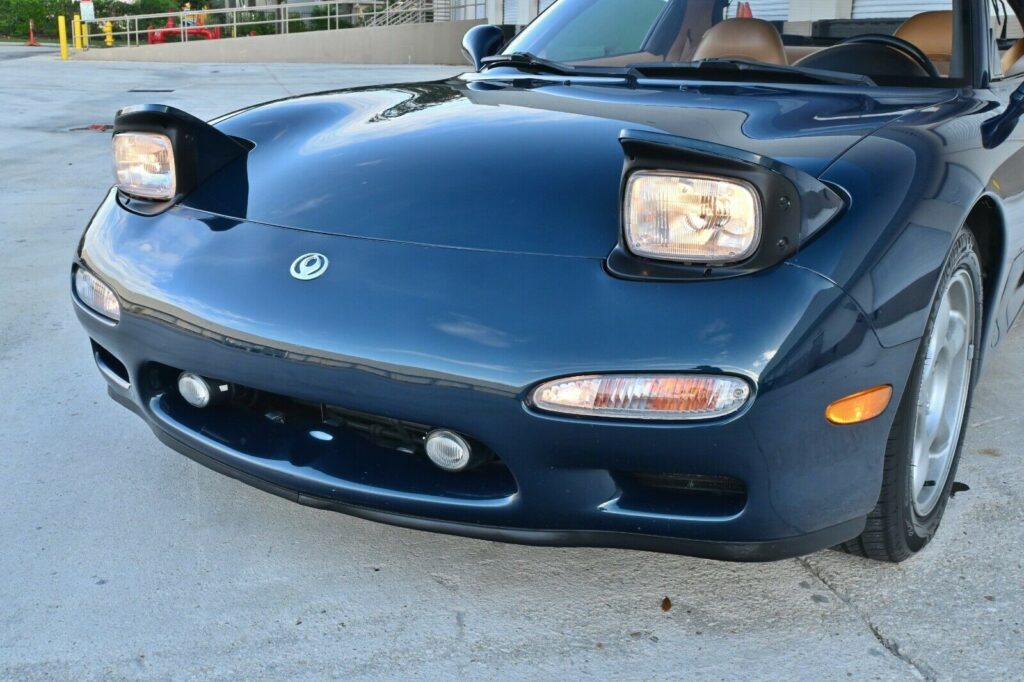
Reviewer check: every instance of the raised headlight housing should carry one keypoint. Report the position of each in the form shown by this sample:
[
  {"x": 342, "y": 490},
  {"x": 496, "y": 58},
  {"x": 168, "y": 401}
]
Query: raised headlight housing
[
  {"x": 694, "y": 210},
  {"x": 665, "y": 397},
  {"x": 692, "y": 218},
  {"x": 144, "y": 165}
]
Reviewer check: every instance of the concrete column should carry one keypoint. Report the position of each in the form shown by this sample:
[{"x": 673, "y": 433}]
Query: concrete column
[
  {"x": 533, "y": 9},
  {"x": 495, "y": 9},
  {"x": 526, "y": 10}
]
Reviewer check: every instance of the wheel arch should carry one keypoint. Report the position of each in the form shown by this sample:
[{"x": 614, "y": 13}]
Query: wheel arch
[{"x": 987, "y": 222}]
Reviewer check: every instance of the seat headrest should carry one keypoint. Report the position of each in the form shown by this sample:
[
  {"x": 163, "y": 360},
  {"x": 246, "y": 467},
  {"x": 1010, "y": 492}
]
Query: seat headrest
[
  {"x": 932, "y": 32},
  {"x": 1012, "y": 65},
  {"x": 742, "y": 39}
]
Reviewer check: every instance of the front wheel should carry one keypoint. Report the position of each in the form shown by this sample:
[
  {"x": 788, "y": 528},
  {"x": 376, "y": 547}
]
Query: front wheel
[{"x": 927, "y": 435}]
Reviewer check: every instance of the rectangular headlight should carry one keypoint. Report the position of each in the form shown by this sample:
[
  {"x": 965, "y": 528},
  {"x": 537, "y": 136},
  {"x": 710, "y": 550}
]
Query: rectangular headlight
[
  {"x": 691, "y": 218},
  {"x": 663, "y": 397},
  {"x": 144, "y": 165}
]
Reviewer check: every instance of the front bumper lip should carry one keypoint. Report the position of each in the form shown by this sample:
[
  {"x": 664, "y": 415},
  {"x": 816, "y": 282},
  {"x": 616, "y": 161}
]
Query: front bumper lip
[{"x": 756, "y": 551}]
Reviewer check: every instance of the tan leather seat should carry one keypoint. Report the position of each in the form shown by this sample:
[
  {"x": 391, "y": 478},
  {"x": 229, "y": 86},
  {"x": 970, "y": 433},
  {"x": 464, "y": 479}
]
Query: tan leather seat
[
  {"x": 754, "y": 39},
  {"x": 1013, "y": 60},
  {"x": 932, "y": 32}
]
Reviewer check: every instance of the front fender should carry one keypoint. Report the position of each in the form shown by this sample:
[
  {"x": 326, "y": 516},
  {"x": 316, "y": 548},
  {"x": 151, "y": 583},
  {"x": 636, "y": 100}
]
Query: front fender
[{"x": 912, "y": 187}]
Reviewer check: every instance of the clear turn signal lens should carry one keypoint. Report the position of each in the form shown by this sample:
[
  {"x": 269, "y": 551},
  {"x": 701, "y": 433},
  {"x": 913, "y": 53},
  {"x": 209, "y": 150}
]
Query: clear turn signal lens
[
  {"x": 96, "y": 295},
  {"x": 662, "y": 397}
]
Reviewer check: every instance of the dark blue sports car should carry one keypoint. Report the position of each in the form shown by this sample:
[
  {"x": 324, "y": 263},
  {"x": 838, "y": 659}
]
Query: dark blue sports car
[{"x": 658, "y": 274}]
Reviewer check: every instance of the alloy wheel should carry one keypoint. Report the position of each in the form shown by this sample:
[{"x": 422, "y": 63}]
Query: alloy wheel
[{"x": 945, "y": 385}]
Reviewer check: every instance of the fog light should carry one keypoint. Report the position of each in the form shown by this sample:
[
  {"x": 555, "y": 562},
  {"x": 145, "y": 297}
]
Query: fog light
[
  {"x": 448, "y": 450},
  {"x": 200, "y": 392},
  {"x": 96, "y": 295},
  {"x": 194, "y": 389}
]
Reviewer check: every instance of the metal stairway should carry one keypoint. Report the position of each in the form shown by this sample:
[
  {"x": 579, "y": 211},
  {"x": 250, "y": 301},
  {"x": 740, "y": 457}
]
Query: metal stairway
[{"x": 412, "y": 12}]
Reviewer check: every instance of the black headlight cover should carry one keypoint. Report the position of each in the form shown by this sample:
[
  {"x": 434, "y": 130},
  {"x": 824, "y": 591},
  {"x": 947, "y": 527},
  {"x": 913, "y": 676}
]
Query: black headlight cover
[{"x": 794, "y": 205}]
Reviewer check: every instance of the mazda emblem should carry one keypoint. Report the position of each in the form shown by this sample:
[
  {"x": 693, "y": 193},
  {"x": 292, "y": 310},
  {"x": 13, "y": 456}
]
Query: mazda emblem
[{"x": 309, "y": 266}]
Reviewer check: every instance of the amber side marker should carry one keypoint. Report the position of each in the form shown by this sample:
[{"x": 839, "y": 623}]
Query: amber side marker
[{"x": 859, "y": 407}]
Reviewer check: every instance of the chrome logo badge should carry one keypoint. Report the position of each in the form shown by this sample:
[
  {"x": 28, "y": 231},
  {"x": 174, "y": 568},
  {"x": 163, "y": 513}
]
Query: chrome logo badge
[{"x": 309, "y": 266}]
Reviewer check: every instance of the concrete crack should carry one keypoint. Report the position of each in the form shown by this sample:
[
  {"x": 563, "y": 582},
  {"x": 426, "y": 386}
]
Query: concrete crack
[
  {"x": 921, "y": 670},
  {"x": 273, "y": 77}
]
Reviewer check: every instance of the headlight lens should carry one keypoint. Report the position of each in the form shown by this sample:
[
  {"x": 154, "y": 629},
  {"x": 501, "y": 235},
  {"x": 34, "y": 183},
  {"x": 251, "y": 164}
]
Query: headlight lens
[
  {"x": 691, "y": 218},
  {"x": 144, "y": 165},
  {"x": 664, "y": 397},
  {"x": 96, "y": 295}
]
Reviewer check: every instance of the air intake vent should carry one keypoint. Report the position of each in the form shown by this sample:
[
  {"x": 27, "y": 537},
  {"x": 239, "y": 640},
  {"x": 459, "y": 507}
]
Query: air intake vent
[{"x": 675, "y": 494}]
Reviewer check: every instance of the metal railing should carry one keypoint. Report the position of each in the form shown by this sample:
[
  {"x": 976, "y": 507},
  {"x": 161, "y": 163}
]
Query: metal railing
[
  {"x": 279, "y": 19},
  {"x": 408, "y": 12}
]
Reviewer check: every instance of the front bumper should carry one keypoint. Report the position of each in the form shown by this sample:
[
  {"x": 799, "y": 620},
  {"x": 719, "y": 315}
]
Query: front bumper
[{"x": 455, "y": 339}]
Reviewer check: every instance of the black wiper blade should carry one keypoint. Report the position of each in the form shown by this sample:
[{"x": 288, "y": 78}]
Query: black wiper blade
[
  {"x": 752, "y": 68},
  {"x": 528, "y": 62}
]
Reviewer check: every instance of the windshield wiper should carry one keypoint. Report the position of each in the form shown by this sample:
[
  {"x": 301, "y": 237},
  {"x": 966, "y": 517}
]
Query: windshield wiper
[
  {"x": 524, "y": 61},
  {"x": 751, "y": 68}
]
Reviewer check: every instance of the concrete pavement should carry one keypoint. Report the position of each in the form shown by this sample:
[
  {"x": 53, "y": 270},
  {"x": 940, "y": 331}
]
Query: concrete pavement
[{"x": 120, "y": 558}]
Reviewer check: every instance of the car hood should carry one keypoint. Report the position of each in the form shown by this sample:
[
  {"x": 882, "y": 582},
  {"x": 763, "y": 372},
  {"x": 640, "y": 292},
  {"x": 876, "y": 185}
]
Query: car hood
[{"x": 520, "y": 167}]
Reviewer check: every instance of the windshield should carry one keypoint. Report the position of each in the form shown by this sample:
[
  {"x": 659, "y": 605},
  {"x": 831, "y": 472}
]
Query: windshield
[{"x": 909, "y": 42}]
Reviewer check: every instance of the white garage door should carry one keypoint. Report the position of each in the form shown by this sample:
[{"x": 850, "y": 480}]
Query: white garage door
[
  {"x": 769, "y": 10},
  {"x": 511, "y": 15},
  {"x": 895, "y": 9}
]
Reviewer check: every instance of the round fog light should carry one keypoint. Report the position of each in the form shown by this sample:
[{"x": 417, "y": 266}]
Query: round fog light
[
  {"x": 194, "y": 389},
  {"x": 448, "y": 450}
]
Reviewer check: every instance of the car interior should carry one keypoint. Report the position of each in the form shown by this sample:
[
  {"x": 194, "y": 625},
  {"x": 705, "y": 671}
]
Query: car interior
[
  {"x": 921, "y": 47},
  {"x": 927, "y": 34}
]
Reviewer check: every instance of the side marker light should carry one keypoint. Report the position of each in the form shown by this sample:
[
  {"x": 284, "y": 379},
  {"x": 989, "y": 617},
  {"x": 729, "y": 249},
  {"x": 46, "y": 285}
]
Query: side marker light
[{"x": 859, "y": 407}]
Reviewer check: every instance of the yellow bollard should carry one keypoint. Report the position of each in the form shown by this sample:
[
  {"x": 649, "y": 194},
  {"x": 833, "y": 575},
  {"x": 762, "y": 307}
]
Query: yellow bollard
[
  {"x": 62, "y": 33},
  {"x": 108, "y": 31},
  {"x": 85, "y": 35},
  {"x": 76, "y": 31}
]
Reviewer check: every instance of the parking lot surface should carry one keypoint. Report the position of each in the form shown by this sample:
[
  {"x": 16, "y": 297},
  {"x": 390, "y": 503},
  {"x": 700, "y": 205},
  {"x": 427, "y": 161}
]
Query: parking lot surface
[{"x": 120, "y": 558}]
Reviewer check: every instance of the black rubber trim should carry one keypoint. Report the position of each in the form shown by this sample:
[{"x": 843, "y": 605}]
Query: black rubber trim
[{"x": 771, "y": 550}]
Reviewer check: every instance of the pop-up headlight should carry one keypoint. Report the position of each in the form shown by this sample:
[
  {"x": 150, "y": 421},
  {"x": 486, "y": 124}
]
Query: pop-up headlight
[
  {"x": 691, "y": 218},
  {"x": 144, "y": 165}
]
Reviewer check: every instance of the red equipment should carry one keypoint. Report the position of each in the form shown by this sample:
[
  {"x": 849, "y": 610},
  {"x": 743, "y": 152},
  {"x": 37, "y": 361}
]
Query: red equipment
[{"x": 156, "y": 36}]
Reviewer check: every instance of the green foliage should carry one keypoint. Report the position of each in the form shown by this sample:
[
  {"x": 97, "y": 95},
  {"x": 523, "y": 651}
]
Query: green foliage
[
  {"x": 320, "y": 22},
  {"x": 259, "y": 29},
  {"x": 141, "y": 7},
  {"x": 15, "y": 14}
]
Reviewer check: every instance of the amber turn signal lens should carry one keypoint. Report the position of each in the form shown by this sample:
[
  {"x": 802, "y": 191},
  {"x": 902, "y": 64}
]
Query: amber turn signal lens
[{"x": 860, "y": 407}]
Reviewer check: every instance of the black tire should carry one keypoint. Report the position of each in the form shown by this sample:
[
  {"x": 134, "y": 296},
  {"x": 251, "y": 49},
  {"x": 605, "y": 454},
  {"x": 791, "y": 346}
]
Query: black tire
[{"x": 894, "y": 530}]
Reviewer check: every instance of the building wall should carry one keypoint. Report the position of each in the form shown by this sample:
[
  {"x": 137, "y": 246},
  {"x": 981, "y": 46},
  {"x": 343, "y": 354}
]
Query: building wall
[{"x": 439, "y": 43}]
